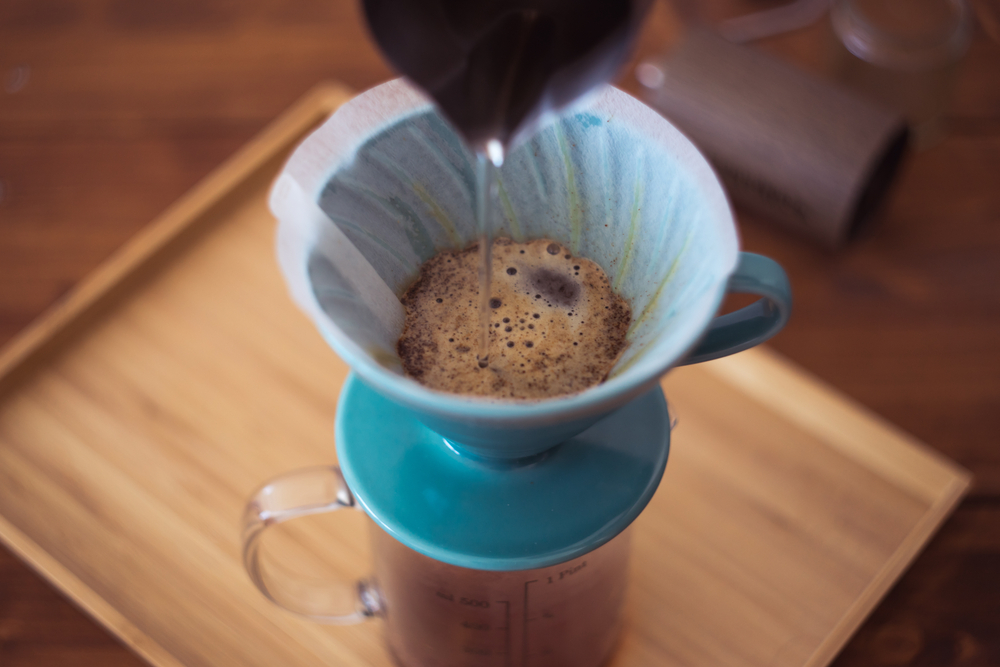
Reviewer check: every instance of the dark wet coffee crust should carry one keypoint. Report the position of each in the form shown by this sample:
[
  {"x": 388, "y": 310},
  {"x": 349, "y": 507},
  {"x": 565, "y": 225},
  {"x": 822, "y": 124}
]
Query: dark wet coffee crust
[
  {"x": 561, "y": 327},
  {"x": 556, "y": 286}
]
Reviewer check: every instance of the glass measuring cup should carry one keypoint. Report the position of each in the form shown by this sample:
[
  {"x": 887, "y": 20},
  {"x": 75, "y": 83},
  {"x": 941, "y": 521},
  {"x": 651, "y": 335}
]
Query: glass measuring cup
[{"x": 440, "y": 614}]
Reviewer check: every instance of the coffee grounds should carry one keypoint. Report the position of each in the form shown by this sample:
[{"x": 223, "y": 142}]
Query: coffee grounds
[{"x": 564, "y": 326}]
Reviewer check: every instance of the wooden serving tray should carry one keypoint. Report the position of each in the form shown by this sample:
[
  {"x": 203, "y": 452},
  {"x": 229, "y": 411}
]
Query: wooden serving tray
[{"x": 137, "y": 417}]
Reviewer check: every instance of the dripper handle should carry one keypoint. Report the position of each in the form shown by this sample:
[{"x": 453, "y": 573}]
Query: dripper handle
[
  {"x": 296, "y": 494},
  {"x": 753, "y": 324}
]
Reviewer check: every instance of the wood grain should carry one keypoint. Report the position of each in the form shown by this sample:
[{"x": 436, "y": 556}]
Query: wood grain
[
  {"x": 110, "y": 111},
  {"x": 140, "y": 414}
]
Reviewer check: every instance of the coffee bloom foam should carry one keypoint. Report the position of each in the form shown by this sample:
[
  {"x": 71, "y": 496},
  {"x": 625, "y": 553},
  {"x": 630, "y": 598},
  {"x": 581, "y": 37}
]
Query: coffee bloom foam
[{"x": 556, "y": 326}]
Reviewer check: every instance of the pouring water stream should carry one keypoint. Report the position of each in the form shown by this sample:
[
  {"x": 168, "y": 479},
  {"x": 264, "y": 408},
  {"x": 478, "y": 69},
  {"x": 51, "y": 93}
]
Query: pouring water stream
[{"x": 495, "y": 67}]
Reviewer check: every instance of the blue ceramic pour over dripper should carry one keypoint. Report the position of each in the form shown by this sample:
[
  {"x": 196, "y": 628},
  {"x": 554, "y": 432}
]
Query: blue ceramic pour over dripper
[{"x": 384, "y": 185}]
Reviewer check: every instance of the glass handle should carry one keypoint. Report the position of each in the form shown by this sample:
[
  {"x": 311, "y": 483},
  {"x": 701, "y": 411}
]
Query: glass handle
[{"x": 296, "y": 494}]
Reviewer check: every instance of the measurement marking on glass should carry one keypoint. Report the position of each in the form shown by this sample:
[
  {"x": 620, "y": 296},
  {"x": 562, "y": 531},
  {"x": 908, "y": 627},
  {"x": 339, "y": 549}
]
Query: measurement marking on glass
[
  {"x": 524, "y": 638},
  {"x": 506, "y": 631}
]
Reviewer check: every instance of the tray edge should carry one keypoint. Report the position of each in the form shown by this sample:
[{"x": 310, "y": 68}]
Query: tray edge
[
  {"x": 844, "y": 423},
  {"x": 185, "y": 213},
  {"x": 52, "y": 327},
  {"x": 942, "y": 490},
  {"x": 84, "y": 597},
  {"x": 911, "y": 547}
]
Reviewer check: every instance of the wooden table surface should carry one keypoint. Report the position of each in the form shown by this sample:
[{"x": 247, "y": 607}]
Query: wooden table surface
[{"x": 111, "y": 109}]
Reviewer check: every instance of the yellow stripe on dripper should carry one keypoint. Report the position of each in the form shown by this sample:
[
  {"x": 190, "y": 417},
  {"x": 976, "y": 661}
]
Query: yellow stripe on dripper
[
  {"x": 508, "y": 209},
  {"x": 439, "y": 214},
  {"x": 630, "y": 242},
  {"x": 659, "y": 290},
  {"x": 575, "y": 214}
]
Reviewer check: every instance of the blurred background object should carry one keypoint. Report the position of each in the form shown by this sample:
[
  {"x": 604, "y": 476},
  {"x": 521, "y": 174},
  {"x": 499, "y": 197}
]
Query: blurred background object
[
  {"x": 787, "y": 145},
  {"x": 816, "y": 156},
  {"x": 903, "y": 54},
  {"x": 774, "y": 21},
  {"x": 495, "y": 68},
  {"x": 988, "y": 13}
]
